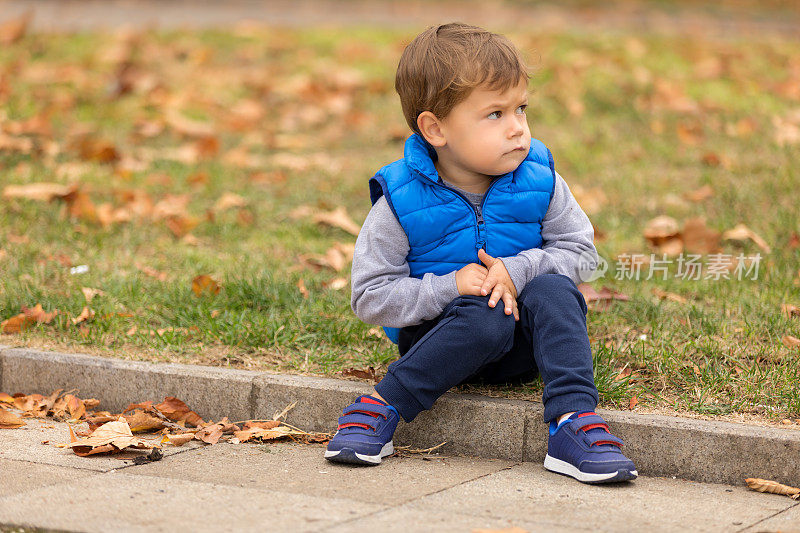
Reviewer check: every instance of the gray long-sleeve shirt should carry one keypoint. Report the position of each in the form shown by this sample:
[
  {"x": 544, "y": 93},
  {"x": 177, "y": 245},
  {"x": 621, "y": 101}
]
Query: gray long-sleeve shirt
[{"x": 383, "y": 293}]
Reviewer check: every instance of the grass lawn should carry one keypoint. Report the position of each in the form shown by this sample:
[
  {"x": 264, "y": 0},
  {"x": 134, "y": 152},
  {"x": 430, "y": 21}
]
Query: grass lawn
[{"x": 210, "y": 153}]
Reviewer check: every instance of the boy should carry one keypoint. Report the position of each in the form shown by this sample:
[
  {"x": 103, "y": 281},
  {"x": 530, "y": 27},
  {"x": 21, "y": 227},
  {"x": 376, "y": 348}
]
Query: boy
[{"x": 473, "y": 216}]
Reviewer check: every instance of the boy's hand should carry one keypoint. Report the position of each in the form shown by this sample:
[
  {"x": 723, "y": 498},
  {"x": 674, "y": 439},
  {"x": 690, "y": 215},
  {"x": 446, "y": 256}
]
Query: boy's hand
[
  {"x": 470, "y": 278},
  {"x": 499, "y": 282}
]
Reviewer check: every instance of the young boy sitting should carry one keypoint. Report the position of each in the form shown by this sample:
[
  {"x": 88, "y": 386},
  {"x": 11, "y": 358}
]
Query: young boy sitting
[{"x": 473, "y": 216}]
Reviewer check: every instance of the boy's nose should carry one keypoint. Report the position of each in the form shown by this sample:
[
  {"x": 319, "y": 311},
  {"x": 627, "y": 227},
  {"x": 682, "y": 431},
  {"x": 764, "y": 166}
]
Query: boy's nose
[{"x": 515, "y": 130}]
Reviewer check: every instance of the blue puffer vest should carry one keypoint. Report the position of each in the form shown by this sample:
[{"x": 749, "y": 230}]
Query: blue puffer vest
[{"x": 442, "y": 225}]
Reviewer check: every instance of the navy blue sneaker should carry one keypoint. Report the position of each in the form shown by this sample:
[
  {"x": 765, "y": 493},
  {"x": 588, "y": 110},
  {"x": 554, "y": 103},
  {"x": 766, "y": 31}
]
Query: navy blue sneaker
[
  {"x": 583, "y": 447},
  {"x": 364, "y": 436}
]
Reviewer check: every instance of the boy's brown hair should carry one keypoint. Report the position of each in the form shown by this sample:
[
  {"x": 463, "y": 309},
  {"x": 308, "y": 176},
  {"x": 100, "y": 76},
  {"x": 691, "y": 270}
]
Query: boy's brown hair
[{"x": 444, "y": 63}]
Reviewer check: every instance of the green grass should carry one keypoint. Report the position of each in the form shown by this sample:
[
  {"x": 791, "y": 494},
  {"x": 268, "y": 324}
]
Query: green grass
[{"x": 719, "y": 354}]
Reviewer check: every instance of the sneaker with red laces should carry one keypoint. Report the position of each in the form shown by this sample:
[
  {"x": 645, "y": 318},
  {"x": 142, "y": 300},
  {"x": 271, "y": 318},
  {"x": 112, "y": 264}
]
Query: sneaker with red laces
[
  {"x": 583, "y": 447},
  {"x": 364, "y": 435}
]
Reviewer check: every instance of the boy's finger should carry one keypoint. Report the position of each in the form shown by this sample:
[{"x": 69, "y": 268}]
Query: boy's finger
[
  {"x": 509, "y": 301},
  {"x": 497, "y": 293},
  {"x": 488, "y": 283}
]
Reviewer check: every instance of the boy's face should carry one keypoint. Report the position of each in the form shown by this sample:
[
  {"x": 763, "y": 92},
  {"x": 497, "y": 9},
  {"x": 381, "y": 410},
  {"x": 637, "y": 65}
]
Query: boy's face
[{"x": 487, "y": 133}]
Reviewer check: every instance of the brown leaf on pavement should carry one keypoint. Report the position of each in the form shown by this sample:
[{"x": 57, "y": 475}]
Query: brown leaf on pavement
[
  {"x": 209, "y": 434},
  {"x": 177, "y": 440},
  {"x": 368, "y": 373},
  {"x": 109, "y": 437},
  {"x": 262, "y": 433},
  {"x": 773, "y": 487},
  {"x": 143, "y": 422},
  {"x": 9, "y": 420},
  {"x": 177, "y": 411}
]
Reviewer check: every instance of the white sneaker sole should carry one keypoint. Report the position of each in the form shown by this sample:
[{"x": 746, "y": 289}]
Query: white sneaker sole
[
  {"x": 562, "y": 467},
  {"x": 348, "y": 455}
]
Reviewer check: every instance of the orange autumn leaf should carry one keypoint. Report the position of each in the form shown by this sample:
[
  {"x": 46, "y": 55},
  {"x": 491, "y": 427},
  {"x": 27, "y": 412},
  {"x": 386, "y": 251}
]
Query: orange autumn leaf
[
  {"x": 42, "y": 191},
  {"x": 14, "y": 29},
  {"x": 338, "y": 218},
  {"x": 27, "y": 318},
  {"x": 204, "y": 284},
  {"x": 9, "y": 420}
]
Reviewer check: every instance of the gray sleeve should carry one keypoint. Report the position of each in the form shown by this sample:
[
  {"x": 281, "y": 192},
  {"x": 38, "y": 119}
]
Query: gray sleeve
[
  {"x": 566, "y": 234},
  {"x": 383, "y": 293}
]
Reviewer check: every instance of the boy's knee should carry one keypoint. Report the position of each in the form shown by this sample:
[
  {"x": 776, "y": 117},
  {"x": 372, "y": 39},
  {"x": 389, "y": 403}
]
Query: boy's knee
[
  {"x": 550, "y": 288},
  {"x": 491, "y": 328}
]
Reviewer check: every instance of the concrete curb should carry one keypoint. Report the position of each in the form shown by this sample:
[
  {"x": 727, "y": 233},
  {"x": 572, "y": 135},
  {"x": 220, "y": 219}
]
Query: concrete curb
[{"x": 699, "y": 450}]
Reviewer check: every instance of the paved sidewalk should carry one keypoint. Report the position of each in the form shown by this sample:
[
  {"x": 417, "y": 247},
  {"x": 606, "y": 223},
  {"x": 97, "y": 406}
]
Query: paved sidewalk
[{"x": 290, "y": 487}]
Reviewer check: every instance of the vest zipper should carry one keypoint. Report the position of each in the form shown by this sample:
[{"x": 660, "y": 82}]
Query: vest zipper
[{"x": 481, "y": 226}]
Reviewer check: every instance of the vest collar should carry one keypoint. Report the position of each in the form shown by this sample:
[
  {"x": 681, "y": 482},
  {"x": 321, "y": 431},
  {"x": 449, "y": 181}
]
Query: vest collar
[{"x": 420, "y": 155}]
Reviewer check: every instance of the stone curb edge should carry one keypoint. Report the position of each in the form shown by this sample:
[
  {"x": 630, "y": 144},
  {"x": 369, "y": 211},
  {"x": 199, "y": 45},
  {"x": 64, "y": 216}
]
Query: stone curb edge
[{"x": 698, "y": 450}]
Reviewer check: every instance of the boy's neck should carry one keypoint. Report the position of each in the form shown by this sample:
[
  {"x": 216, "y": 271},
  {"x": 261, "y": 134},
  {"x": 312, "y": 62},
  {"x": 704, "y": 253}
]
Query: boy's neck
[{"x": 468, "y": 181}]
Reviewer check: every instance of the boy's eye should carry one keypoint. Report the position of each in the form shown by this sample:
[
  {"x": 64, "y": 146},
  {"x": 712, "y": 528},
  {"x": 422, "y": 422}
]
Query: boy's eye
[{"x": 523, "y": 106}]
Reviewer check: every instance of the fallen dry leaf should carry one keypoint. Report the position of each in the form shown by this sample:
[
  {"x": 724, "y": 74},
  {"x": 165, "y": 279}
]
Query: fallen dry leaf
[
  {"x": 42, "y": 191},
  {"x": 600, "y": 300},
  {"x": 141, "y": 421},
  {"x": 204, "y": 284},
  {"x": 177, "y": 411},
  {"x": 116, "y": 434},
  {"x": 790, "y": 310},
  {"x": 742, "y": 233},
  {"x": 368, "y": 373},
  {"x": 664, "y": 295},
  {"x": 177, "y": 440},
  {"x": 9, "y": 420},
  {"x": 338, "y": 218},
  {"x": 209, "y": 434},
  {"x": 89, "y": 293},
  {"x": 790, "y": 342},
  {"x": 86, "y": 314},
  {"x": 773, "y": 487},
  {"x": 14, "y": 29},
  {"x": 27, "y": 318},
  {"x": 229, "y": 200},
  {"x": 301, "y": 285}
]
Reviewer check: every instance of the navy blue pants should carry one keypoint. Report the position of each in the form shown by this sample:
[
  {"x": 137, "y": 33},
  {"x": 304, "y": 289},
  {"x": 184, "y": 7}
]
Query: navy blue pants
[{"x": 470, "y": 342}]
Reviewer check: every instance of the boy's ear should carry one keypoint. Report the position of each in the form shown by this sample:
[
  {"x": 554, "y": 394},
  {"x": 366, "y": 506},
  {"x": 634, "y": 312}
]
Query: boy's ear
[{"x": 431, "y": 129}]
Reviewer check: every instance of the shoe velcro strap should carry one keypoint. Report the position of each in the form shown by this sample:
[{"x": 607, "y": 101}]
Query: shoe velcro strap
[
  {"x": 367, "y": 408},
  {"x": 589, "y": 420},
  {"x": 359, "y": 418},
  {"x": 603, "y": 438}
]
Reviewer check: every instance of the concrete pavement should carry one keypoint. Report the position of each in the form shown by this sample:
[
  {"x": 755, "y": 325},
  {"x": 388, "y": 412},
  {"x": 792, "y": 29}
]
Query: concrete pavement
[
  {"x": 471, "y": 424},
  {"x": 291, "y": 487}
]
